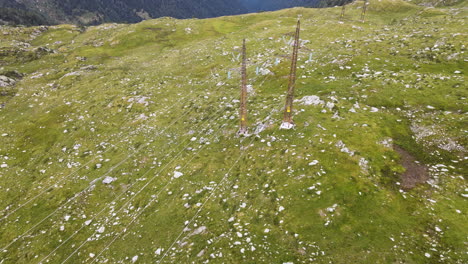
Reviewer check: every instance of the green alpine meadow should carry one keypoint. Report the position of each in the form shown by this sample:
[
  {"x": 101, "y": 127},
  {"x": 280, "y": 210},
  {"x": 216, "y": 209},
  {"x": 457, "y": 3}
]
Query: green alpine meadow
[{"x": 119, "y": 143}]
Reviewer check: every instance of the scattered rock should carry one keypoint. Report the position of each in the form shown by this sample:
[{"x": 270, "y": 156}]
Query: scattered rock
[
  {"x": 5, "y": 81},
  {"x": 101, "y": 230},
  {"x": 198, "y": 231},
  {"x": 286, "y": 125},
  {"x": 109, "y": 180},
  {"x": 201, "y": 253},
  {"x": 178, "y": 174},
  {"x": 310, "y": 100}
]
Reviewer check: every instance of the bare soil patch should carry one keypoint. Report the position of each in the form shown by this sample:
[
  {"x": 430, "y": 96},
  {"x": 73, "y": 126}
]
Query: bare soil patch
[{"x": 416, "y": 172}]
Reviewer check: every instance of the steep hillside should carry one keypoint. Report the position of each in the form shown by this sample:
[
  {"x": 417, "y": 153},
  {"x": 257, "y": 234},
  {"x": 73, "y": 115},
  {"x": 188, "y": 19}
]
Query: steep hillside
[
  {"x": 101, "y": 11},
  {"x": 118, "y": 142},
  {"x": 91, "y": 12},
  {"x": 12, "y": 12}
]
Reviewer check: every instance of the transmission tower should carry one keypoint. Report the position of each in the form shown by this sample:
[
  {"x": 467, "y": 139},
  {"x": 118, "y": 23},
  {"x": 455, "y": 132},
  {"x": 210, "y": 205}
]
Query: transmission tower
[
  {"x": 243, "y": 98},
  {"x": 288, "y": 109},
  {"x": 343, "y": 9},
  {"x": 364, "y": 10}
]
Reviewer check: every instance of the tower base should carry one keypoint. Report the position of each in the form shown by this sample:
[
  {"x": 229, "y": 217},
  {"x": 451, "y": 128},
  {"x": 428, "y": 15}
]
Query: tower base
[{"x": 243, "y": 133}]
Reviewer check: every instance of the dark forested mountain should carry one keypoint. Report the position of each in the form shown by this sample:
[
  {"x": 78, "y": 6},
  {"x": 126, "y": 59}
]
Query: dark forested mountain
[
  {"x": 13, "y": 12},
  {"x": 100, "y": 11}
]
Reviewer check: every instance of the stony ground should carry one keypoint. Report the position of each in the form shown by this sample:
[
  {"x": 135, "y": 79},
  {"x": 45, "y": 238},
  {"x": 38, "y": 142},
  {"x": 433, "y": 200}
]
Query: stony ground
[{"x": 117, "y": 142}]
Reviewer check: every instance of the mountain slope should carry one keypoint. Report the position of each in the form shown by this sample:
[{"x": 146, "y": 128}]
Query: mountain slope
[
  {"x": 117, "y": 142},
  {"x": 99, "y": 11},
  {"x": 18, "y": 14}
]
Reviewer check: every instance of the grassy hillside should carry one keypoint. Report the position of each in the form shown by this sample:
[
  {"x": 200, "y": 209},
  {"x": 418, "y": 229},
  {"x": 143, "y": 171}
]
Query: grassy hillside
[{"x": 117, "y": 142}]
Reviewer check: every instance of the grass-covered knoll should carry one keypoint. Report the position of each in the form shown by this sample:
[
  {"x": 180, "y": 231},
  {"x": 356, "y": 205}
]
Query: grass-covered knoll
[{"x": 118, "y": 142}]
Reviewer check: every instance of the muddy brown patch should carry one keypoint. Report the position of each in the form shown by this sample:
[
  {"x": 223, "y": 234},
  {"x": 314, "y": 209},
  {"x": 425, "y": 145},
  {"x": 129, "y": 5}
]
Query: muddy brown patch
[{"x": 415, "y": 173}]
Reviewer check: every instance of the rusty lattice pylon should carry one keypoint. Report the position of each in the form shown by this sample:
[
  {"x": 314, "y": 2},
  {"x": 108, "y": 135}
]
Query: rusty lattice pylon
[
  {"x": 243, "y": 98},
  {"x": 292, "y": 80},
  {"x": 343, "y": 10},
  {"x": 364, "y": 11}
]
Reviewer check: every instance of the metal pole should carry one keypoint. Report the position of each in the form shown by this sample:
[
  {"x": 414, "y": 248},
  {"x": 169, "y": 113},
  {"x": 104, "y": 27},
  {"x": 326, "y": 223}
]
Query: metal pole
[
  {"x": 292, "y": 79},
  {"x": 342, "y": 12},
  {"x": 243, "y": 101},
  {"x": 364, "y": 10}
]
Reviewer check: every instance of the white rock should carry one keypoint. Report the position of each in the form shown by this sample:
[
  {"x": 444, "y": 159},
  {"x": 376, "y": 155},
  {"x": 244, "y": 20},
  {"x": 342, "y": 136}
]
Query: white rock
[
  {"x": 4, "y": 165},
  {"x": 286, "y": 125},
  {"x": 108, "y": 180},
  {"x": 231, "y": 219},
  {"x": 310, "y": 100},
  {"x": 281, "y": 208},
  {"x": 199, "y": 230},
  {"x": 266, "y": 230},
  {"x": 178, "y": 174},
  {"x": 264, "y": 71},
  {"x": 5, "y": 81},
  {"x": 427, "y": 255},
  {"x": 101, "y": 229},
  {"x": 158, "y": 251},
  {"x": 134, "y": 259},
  {"x": 88, "y": 222},
  {"x": 313, "y": 163},
  {"x": 67, "y": 217},
  {"x": 91, "y": 255}
]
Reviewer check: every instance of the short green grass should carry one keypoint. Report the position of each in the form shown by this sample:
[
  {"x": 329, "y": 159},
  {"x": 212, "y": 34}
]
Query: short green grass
[{"x": 69, "y": 125}]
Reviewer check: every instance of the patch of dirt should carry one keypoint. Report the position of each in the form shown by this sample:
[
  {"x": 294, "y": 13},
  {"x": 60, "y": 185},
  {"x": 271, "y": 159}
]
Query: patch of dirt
[{"x": 415, "y": 173}]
